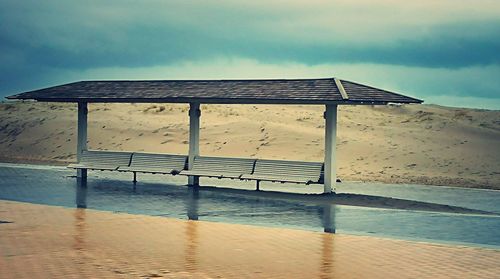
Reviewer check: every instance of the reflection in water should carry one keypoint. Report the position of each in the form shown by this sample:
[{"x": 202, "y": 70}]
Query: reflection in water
[
  {"x": 190, "y": 252},
  {"x": 80, "y": 224},
  {"x": 325, "y": 212},
  {"x": 79, "y": 238},
  {"x": 328, "y": 221},
  {"x": 191, "y": 232},
  {"x": 112, "y": 193},
  {"x": 326, "y": 267},
  {"x": 79, "y": 214},
  {"x": 80, "y": 228}
]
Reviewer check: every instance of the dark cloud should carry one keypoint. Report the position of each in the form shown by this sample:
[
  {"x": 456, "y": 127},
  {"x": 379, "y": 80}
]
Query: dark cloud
[
  {"x": 41, "y": 38},
  {"x": 88, "y": 37},
  {"x": 147, "y": 45}
]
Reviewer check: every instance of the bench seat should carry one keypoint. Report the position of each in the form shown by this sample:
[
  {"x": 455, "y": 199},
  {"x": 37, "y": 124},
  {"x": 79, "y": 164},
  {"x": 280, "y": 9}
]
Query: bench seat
[
  {"x": 214, "y": 167},
  {"x": 275, "y": 178},
  {"x": 211, "y": 174},
  {"x": 155, "y": 163},
  {"x": 147, "y": 170},
  {"x": 220, "y": 167},
  {"x": 92, "y": 167},
  {"x": 286, "y": 171},
  {"x": 102, "y": 160}
]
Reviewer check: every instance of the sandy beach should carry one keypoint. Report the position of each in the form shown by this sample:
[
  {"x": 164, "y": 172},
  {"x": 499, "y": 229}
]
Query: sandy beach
[{"x": 421, "y": 144}]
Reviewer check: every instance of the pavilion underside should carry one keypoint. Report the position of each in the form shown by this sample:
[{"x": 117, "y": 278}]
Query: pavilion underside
[{"x": 329, "y": 92}]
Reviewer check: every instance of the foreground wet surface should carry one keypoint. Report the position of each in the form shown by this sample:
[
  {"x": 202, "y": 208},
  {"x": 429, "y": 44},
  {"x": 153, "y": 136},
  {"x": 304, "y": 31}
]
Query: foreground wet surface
[
  {"x": 40, "y": 241},
  {"x": 113, "y": 192}
]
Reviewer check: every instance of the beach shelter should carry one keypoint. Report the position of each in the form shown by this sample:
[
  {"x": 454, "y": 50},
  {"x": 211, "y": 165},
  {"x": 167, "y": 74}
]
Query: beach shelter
[{"x": 327, "y": 92}]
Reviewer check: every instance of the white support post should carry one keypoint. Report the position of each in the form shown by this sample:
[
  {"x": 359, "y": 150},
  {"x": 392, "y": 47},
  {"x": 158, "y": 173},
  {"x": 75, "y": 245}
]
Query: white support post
[
  {"x": 330, "y": 174},
  {"x": 194, "y": 139},
  {"x": 82, "y": 136}
]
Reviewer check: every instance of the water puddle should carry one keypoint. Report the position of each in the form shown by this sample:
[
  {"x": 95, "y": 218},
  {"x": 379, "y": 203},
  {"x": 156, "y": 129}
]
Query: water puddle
[{"x": 166, "y": 196}]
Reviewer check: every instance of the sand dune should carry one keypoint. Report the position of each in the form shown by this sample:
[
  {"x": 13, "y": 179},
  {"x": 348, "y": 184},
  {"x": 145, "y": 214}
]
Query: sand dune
[{"x": 424, "y": 144}]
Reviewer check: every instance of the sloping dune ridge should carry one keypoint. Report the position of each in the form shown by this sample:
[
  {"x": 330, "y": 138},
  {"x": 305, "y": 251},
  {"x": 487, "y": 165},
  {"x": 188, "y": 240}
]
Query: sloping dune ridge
[{"x": 424, "y": 144}]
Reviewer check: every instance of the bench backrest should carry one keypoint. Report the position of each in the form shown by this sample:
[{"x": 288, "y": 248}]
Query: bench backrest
[
  {"x": 223, "y": 165},
  {"x": 105, "y": 158},
  {"x": 158, "y": 161},
  {"x": 295, "y": 169}
]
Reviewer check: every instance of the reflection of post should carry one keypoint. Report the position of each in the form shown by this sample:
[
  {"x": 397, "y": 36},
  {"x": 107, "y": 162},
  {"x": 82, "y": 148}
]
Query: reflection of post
[
  {"x": 191, "y": 248},
  {"x": 80, "y": 228},
  {"x": 81, "y": 192},
  {"x": 327, "y": 263},
  {"x": 329, "y": 218},
  {"x": 326, "y": 267},
  {"x": 192, "y": 203},
  {"x": 79, "y": 236}
]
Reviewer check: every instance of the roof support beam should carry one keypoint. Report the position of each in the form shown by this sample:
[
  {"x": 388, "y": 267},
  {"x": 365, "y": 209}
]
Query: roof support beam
[
  {"x": 82, "y": 136},
  {"x": 330, "y": 172},
  {"x": 194, "y": 139}
]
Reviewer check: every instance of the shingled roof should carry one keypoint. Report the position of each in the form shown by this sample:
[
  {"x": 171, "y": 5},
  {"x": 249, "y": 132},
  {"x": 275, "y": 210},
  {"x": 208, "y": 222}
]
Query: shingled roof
[{"x": 270, "y": 91}]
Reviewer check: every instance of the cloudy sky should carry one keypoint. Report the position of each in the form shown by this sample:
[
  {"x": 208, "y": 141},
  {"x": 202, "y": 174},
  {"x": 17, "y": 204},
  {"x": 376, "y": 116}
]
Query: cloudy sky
[{"x": 445, "y": 52}]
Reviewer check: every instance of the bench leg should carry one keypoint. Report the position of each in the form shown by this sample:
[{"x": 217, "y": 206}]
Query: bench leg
[
  {"x": 135, "y": 177},
  {"x": 258, "y": 185}
]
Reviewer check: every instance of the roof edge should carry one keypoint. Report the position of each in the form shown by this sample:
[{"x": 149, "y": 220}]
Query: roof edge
[
  {"x": 419, "y": 101},
  {"x": 36, "y": 94}
]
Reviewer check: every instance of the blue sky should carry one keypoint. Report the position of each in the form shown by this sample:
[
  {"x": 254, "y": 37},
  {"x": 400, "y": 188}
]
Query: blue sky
[{"x": 445, "y": 52}]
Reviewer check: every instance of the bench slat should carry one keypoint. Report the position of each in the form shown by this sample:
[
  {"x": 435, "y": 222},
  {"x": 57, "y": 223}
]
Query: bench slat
[
  {"x": 146, "y": 170},
  {"x": 202, "y": 173},
  {"x": 286, "y": 171},
  {"x": 220, "y": 167},
  {"x": 102, "y": 160},
  {"x": 278, "y": 179},
  {"x": 156, "y": 163},
  {"x": 92, "y": 167}
]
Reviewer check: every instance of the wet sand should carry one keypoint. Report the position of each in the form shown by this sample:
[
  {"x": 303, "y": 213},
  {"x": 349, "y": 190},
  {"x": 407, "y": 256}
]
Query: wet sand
[
  {"x": 418, "y": 144},
  {"x": 55, "y": 242}
]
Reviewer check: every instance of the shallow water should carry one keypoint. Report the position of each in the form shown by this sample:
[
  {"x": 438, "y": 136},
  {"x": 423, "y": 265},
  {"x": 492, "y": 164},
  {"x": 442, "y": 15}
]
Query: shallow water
[
  {"x": 481, "y": 199},
  {"x": 160, "y": 195}
]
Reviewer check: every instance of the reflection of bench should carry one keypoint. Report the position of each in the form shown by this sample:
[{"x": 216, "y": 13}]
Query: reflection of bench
[
  {"x": 286, "y": 171},
  {"x": 220, "y": 167},
  {"x": 102, "y": 160},
  {"x": 156, "y": 163}
]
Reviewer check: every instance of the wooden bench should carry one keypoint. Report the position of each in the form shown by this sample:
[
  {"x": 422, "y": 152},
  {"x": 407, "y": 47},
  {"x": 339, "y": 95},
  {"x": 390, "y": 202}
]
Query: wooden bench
[
  {"x": 156, "y": 163},
  {"x": 220, "y": 167},
  {"x": 102, "y": 160},
  {"x": 286, "y": 171},
  {"x": 217, "y": 167}
]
